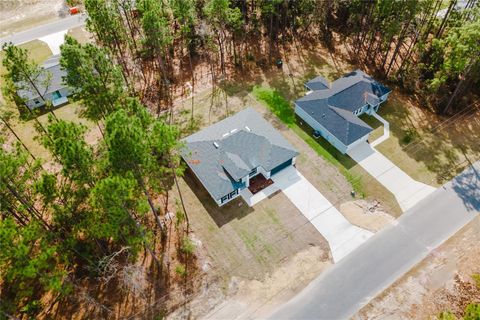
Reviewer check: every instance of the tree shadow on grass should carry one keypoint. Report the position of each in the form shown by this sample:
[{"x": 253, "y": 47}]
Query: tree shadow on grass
[
  {"x": 235, "y": 209},
  {"x": 439, "y": 143}
]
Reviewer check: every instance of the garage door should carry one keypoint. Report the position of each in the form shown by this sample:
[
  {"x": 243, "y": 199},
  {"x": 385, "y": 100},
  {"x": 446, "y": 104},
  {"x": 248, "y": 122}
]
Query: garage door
[{"x": 282, "y": 166}]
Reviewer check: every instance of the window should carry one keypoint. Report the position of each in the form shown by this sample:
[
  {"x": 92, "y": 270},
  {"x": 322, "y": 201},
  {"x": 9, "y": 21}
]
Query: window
[{"x": 254, "y": 171}]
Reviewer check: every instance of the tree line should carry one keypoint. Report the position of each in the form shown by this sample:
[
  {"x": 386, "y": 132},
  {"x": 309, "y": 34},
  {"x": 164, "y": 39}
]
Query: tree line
[
  {"x": 60, "y": 221},
  {"x": 426, "y": 46}
]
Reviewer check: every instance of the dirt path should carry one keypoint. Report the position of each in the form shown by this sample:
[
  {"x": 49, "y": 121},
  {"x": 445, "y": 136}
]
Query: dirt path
[{"x": 441, "y": 282}]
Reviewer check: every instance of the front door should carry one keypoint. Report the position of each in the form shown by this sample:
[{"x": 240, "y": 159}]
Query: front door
[{"x": 56, "y": 95}]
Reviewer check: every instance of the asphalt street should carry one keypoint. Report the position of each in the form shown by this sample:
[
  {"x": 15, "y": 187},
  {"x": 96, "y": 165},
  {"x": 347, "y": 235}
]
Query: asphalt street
[
  {"x": 45, "y": 29},
  {"x": 350, "y": 284}
]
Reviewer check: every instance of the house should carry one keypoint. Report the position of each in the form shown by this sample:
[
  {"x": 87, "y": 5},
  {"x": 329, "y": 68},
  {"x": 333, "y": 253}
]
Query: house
[
  {"x": 50, "y": 86},
  {"x": 332, "y": 109},
  {"x": 228, "y": 155}
]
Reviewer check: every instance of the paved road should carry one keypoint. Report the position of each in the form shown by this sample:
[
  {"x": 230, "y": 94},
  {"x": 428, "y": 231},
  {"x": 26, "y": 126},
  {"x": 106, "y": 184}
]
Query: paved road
[
  {"x": 45, "y": 29},
  {"x": 349, "y": 285}
]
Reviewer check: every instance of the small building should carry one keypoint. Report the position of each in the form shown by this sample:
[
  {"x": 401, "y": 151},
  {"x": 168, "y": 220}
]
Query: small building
[
  {"x": 332, "y": 109},
  {"x": 50, "y": 86},
  {"x": 230, "y": 154}
]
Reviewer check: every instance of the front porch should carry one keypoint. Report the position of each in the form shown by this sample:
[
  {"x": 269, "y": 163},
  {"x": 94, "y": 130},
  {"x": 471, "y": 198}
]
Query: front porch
[{"x": 258, "y": 183}]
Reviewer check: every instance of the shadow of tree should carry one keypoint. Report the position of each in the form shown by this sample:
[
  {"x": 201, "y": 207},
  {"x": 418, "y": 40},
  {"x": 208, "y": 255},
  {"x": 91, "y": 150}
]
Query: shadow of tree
[
  {"x": 467, "y": 186},
  {"x": 235, "y": 209},
  {"x": 441, "y": 144}
]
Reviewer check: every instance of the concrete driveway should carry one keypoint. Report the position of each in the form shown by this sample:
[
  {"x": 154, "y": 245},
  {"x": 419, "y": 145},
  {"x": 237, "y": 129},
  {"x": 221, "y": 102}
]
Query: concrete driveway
[
  {"x": 342, "y": 236},
  {"x": 406, "y": 190}
]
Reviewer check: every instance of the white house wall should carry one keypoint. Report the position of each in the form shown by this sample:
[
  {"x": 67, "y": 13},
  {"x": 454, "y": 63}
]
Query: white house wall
[{"x": 317, "y": 126}]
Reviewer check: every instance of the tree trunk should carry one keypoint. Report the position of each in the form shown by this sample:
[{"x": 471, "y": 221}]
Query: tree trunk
[{"x": 17, "y": 137}]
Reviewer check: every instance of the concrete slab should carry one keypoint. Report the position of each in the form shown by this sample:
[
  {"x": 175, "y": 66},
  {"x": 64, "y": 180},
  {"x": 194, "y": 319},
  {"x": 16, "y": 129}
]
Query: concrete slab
[
  {"x": 253, "y": 199},
  {"x": 406, "y": 190},
  {"x": 342, "y": 236}
]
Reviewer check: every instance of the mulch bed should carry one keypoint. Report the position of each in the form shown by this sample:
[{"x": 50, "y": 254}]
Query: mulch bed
[{"x": 259, "y": 183}]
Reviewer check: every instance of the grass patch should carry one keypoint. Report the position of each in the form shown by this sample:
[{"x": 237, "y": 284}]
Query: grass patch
[
  {"x": 476, "y": 278},
  {"x": 376, "y": 125},
  {"x": 38, "y": 51},
  {"x": 26, "y": 129},
  {"x": 277, "y": 104}
]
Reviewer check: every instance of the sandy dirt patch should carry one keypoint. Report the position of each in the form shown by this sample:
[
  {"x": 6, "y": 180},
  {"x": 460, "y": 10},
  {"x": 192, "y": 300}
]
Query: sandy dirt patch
[
  {"x": 441, "y": 282},
  {"x": 369, "y": 215},
  {"x": 245, "y": 299}
]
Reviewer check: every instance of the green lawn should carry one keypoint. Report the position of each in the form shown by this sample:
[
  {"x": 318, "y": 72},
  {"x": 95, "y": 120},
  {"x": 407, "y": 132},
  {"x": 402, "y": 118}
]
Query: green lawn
[
  {"x": 27, "y": 133},
  {"x": 376, "y": 125},
  {"x": 361, "y": 182}
]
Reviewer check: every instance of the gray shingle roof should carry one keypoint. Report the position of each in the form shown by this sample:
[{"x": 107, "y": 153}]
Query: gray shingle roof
[
  {"x": 245, "y": 141},
  {"x": 333, "y": 107},
  {"x": 318, "y": 83},
  {"x": 52, "y": 67}
]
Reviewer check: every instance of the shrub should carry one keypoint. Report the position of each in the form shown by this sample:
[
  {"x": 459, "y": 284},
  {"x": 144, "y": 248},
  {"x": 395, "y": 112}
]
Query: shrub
[
  {"x": 476, "y": 278},
  {"x": 472, "y": 312},
  {"x": 410, "y": 135},
  {"x": 181, "y": 270},
  {"x": 446, "y": 315},
  {"x": 187, "y": 246}
]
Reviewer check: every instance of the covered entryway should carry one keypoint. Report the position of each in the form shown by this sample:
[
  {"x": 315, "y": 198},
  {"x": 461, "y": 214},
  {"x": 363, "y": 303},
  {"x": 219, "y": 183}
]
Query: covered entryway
[{"x": 258, "y": 183}]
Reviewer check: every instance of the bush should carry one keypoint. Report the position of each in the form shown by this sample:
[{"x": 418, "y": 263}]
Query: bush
[
  {"x": 187, "y": 246},
  {"x": 476, "y": 278},
  {"x": 181, "y": 270},
  {"x": 472, "y": 312},
  {"x": 446, "y": 315},
  {"x": 410, "y": 135}
]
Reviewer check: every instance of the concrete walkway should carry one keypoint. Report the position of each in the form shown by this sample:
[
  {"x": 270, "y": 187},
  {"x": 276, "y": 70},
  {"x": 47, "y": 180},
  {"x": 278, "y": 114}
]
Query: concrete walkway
[
  {"x": 342, "y": 236},
  {"x": 406, "y": 190},
  {"x": 349, "y": 285},
  {"x": 386, "y": 130}
]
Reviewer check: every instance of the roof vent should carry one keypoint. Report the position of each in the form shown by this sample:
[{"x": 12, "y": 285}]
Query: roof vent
[
  {"x": 323, "y": 115},
  {"x": 216, "y": 145},
  {"x": 248, "y": 129}
]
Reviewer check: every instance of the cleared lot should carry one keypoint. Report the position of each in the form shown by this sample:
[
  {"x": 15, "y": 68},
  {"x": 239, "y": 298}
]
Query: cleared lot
[{"x": 248, "y": 242}]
